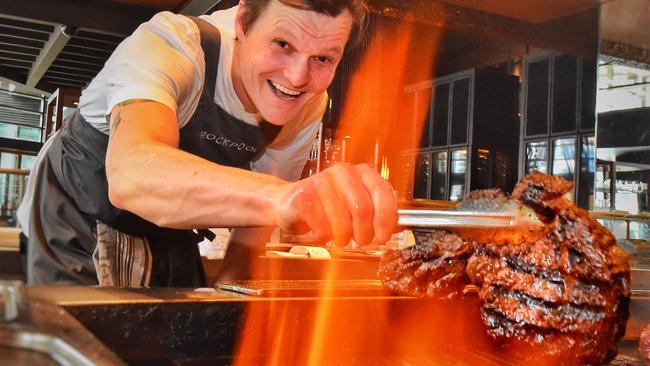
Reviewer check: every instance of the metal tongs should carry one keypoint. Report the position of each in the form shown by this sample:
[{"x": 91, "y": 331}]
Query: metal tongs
[{"x": 507, "y": 216}]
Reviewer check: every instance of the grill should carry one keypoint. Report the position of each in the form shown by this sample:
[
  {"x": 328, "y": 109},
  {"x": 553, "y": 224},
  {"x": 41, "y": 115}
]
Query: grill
[{"x": 208, "y": 326}]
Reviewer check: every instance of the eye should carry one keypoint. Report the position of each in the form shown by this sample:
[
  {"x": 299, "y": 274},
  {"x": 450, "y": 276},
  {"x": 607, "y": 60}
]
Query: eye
[
  {"x": 322, "y": 59},
  {"x": 282, "y": 43}
]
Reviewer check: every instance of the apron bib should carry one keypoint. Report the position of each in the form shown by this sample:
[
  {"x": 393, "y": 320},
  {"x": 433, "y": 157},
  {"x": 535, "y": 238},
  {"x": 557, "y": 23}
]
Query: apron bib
[{"x": 72, "y": 217}]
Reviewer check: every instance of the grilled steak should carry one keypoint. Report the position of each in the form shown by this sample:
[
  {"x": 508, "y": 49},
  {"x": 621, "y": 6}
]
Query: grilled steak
[{"x": 560, "y": 292}]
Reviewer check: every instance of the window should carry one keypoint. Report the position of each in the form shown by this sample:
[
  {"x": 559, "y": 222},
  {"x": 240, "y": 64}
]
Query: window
[
  {"x": 457, "y": 176},
  {"x": 536, "y": 156},
  {"x": 441, "y": 158},
  {"x": 8, "y": 160},
  {"x": 537, "y": 98},
  {"x": 439, "y": 175},
  {"x": 559, "y": 120},
  {"x": 622, "y": 87},
  {"x": 564, "y": 158},
  {"x": 440, "y": 114},
  {"x": 587, "y": 171},
  {"x": 460, "y": 112},
  {"x": 421, "y": 180},
  {"x": 14, "y": 169}
]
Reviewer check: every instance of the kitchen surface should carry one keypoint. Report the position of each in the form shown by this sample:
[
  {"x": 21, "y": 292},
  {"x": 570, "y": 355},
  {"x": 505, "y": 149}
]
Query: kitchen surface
[{"x": 441, "y": 98}]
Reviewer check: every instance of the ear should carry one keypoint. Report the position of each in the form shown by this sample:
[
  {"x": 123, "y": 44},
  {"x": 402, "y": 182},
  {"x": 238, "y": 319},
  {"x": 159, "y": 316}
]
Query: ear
[{"x": 239, "y": 24}]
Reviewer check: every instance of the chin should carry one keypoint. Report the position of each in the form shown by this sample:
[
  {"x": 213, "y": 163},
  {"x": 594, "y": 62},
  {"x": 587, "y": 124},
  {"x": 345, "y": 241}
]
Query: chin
[
  {"x": 278, "y": 116},
  {"x": 274, "y": 119}
]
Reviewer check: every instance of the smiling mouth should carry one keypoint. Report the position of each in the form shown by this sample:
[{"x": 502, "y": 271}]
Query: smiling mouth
[{"x": 284, "y": 92}]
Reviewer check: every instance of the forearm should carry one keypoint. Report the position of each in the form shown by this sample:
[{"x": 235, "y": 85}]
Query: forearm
[
  {"x": 149, "y": 176},
  {"x": 175, "y": 189}
]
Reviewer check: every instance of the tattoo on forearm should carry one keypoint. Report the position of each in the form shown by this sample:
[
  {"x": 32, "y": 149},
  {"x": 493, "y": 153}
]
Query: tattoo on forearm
[
  {"x": 117, "y": 120},
  {"x": 116, "y": 123}
]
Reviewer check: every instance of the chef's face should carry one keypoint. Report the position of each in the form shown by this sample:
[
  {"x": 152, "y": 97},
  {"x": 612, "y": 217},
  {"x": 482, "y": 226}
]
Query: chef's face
[{"x": 286, "y": 58}]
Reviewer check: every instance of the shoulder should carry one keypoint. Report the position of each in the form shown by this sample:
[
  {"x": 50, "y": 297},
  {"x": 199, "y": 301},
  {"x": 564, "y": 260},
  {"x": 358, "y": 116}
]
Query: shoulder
[
  {"x": 167, "y": 23},
  {"x": 223, "y": 19}
]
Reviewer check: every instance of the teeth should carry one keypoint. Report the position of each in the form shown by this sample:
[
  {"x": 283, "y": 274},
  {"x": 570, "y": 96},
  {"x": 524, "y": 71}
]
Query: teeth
[{"x": 293, "y": 93}]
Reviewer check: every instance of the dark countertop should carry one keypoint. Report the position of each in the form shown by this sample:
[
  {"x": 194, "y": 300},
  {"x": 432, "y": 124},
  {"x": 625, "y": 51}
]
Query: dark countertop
[{"x": 210, "y": 326}]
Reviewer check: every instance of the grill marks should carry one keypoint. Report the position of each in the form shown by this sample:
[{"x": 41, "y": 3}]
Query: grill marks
[
  {"x": 561, "y": 292},
  {"x": 435, "y": 267}
]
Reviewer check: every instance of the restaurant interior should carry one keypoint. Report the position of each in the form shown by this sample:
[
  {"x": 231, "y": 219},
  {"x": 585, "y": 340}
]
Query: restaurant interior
[{"x": 441, "y": 97}]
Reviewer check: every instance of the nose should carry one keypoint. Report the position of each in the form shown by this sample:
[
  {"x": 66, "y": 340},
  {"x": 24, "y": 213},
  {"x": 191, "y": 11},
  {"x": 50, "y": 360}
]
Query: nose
[{"x": 297, "y": 72}]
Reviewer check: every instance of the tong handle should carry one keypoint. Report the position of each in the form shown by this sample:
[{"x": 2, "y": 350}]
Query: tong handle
[{"x": 454, "y": 218}]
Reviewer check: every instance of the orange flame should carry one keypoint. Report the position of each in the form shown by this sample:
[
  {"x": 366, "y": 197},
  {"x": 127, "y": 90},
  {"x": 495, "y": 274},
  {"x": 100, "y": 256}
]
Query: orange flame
[
  {"x": 377, "y": 112},
  {"x": 375, "y": 122},
  {"x": 326, "y": 329}
]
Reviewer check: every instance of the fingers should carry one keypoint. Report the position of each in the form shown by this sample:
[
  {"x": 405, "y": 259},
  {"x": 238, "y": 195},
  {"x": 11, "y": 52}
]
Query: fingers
[
  {"x": 383, "y": 201},
  {"x": 358, "y": 201},
  {"x": 341, "y": 202},
  {"x": 300, "y": 210},
  {"x": 334, "y": 206}
]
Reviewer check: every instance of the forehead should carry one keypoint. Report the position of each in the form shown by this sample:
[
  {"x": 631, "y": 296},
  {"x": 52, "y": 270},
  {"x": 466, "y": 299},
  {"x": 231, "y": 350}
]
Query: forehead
[{"x": 311, "y": 27}]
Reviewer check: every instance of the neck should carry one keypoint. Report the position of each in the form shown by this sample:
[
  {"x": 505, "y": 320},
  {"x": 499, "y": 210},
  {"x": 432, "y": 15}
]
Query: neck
[{"x": 235, "y": 72}]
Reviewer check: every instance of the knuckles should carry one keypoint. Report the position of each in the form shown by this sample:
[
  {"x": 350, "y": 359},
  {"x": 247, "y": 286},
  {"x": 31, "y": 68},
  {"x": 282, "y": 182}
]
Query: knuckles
[{"x": 363, "y": 209}]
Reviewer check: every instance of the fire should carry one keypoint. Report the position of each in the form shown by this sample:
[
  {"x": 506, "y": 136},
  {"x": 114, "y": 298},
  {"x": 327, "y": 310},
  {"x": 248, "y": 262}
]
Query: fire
[
  {"x": 375, "y": 123},
  {"x": 377, "y": 119},
  {"x": 385, "y": 170},
  {"x": 379, "y": 329}
]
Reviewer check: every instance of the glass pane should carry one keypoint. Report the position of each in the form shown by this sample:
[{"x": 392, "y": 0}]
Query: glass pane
[
  {"x": 440, "y": 115},
  {"x": 439, "y": 175},
  {"x": 424, "y": 97},
  {"x": 587, "y": 172},
  {"x": 537, "y": 98},
  {"x": 460, "y": 112},
  {"x": 27, "y": 162},
  {"x": 565, "y": 78},
  {"x": 564, "y": 155},
  {"x": 536, "y": 156},
  {"x": 12, "y": 188},
  {"x": 408, "y": 103},
  {"x": 640, "y": 230},
  {"x": 421, "y": 179},
  {"x": 457, "y": 175},
  {"x": 8, "y": 130},
  {"x": 589, "y": 88},
  {"x": 29, "y": 133},
  {"x": 8, "y": 160},
  {"x": 602, "y": 197},
  {"x": 3, "y": 188}
]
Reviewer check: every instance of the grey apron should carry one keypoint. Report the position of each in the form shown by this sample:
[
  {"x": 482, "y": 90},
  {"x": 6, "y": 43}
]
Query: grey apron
[{"x": 71, "y": 210}]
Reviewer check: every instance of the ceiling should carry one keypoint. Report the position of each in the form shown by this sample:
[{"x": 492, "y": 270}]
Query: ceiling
[
  {"x": 46, "y": 44},
  {"x": 532, "y": 11},
  {"x": 626, "y": 22}
]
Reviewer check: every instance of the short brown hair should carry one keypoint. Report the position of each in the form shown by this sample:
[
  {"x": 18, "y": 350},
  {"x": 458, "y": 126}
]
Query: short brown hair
[{"x": 333, "y": 8}]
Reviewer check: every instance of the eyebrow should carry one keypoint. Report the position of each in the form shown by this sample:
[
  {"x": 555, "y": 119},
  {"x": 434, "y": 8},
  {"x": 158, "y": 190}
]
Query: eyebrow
[{"x": 286, "y": 32}]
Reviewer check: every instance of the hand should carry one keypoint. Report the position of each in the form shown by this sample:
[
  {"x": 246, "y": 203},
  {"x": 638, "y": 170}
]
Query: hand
[{"x": 342, "y": 202}]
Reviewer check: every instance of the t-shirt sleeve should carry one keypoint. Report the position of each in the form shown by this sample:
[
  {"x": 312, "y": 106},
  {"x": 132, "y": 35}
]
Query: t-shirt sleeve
[{"x": 161, "y": 61}]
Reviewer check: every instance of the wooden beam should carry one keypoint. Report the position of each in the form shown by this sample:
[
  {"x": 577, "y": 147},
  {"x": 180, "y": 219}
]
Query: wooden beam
[
  {"x": 110, "y": 17},
  {"x": 58, "y": 39}
]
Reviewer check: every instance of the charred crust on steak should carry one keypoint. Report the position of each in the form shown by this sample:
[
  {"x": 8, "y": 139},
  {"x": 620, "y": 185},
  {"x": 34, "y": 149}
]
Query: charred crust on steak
[{"x": 562, "y": 290}]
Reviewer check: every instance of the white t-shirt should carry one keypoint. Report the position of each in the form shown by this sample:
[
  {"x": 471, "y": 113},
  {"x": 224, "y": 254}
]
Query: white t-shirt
[{"x": 163, "y": 61}]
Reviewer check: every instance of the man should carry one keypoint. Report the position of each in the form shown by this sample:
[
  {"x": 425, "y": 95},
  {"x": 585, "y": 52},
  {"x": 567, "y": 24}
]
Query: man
[{"x": 165, "y": 135}]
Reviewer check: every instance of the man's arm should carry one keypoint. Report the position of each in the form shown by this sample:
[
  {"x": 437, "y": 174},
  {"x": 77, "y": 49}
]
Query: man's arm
[{"x": 149, "y": 176}]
